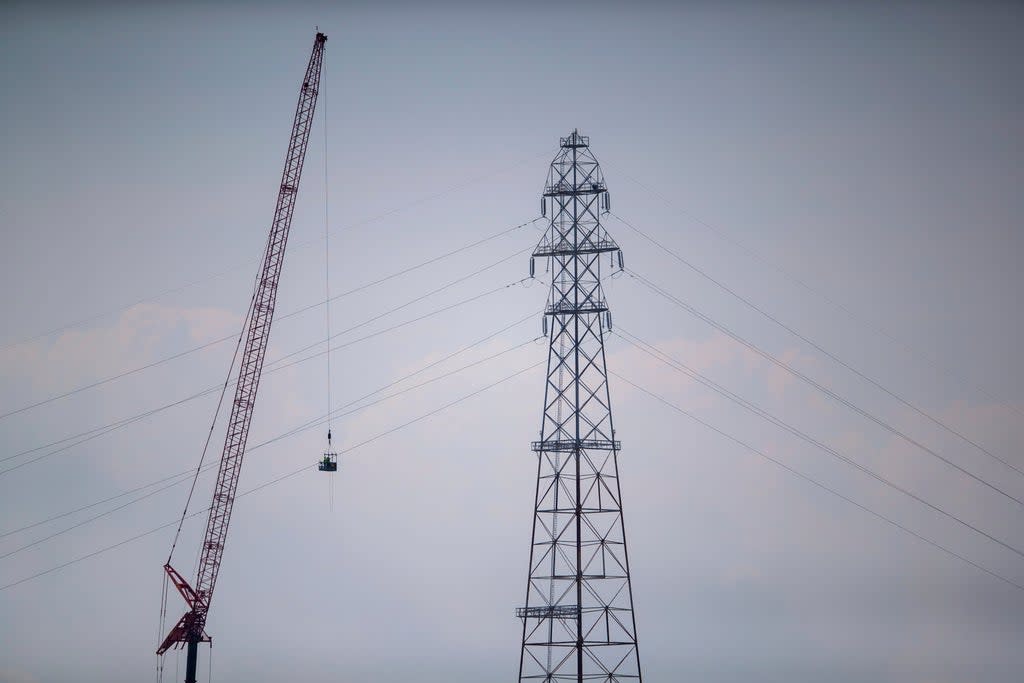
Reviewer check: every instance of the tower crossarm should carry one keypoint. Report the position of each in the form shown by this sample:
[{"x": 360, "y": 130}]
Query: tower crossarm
[
  {"x": 574, "y": 445},
  {"x": 564, "y": 247},
  {"x": 548, "y": 612}
]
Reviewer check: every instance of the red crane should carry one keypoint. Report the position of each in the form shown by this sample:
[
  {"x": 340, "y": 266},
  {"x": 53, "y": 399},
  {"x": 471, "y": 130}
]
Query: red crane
[{"x": 190, "y": 629}]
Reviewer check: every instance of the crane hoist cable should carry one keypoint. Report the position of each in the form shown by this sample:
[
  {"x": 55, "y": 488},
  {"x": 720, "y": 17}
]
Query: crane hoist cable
[{"x": 329, "y": 462}]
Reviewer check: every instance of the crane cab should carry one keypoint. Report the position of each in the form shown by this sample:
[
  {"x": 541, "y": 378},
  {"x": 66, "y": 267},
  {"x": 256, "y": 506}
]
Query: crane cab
[{"x": 329, "y": 463}]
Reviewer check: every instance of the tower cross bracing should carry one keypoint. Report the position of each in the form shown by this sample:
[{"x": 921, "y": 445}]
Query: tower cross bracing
[{"x": 578, "y": 622}]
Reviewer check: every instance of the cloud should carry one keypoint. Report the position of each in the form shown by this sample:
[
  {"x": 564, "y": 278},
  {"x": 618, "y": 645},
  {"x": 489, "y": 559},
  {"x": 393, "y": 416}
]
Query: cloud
[
  {"x": 15, "y": 676},
  {"x": 138, "y": 336}
]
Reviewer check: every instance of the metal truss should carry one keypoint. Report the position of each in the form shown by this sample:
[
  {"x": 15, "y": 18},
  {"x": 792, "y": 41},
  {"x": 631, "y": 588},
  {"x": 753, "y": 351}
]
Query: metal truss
[{"x": 578, "y": 622}]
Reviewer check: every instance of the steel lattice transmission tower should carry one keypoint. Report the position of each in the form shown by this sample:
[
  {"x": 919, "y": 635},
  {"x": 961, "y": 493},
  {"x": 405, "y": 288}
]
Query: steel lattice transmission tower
[{"x": 578, "y": 622}]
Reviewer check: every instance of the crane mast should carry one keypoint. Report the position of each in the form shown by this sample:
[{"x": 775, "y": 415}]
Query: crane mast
[{"x": 190, "y": 629}]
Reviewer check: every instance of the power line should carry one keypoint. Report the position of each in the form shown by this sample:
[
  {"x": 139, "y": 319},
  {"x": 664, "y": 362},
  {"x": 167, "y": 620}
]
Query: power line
[
  {"x": 421, "y": 297},
  {"x": 817, "y": 483},
  {"x": 270, "y": 369},
  {"x": 296, "y": 245},
  {"x": 294, "y": 430},
  {"x": 825, "y": 390},
  {"x": 438, "y": 311},
  {"x": 89, "y": 520},
  {"x": 124, "y": 422},
  {"x": 323, "y": 418},
  {"x": 33, "y": 525},
  {"x": 107, "y": 429},
  {"x": 341, "y": 412},
  {"x": 272, "y": 481},
  {"x": 119, "y": 375},
  {"x": 419, "y": 265},
  {"x": 214, "y": 342},
  {"x": 213, "y": 423},
  {"x": 814, "y": 344},
  {"x": 96, "y": 432},
  {"x": 757, "y": 410},
  {"x": 907, "y": 348}
]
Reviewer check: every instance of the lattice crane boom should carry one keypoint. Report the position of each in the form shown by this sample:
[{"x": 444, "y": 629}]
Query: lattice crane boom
[{"x": 190, "y": 629}]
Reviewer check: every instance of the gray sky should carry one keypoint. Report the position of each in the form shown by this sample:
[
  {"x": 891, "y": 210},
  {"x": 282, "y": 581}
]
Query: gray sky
[{"x": 873, "y": 152}]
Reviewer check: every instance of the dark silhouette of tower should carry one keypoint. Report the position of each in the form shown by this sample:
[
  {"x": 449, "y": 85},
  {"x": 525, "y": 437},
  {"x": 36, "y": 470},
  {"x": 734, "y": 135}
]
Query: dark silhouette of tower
[{"x": 578, "y": 622}]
